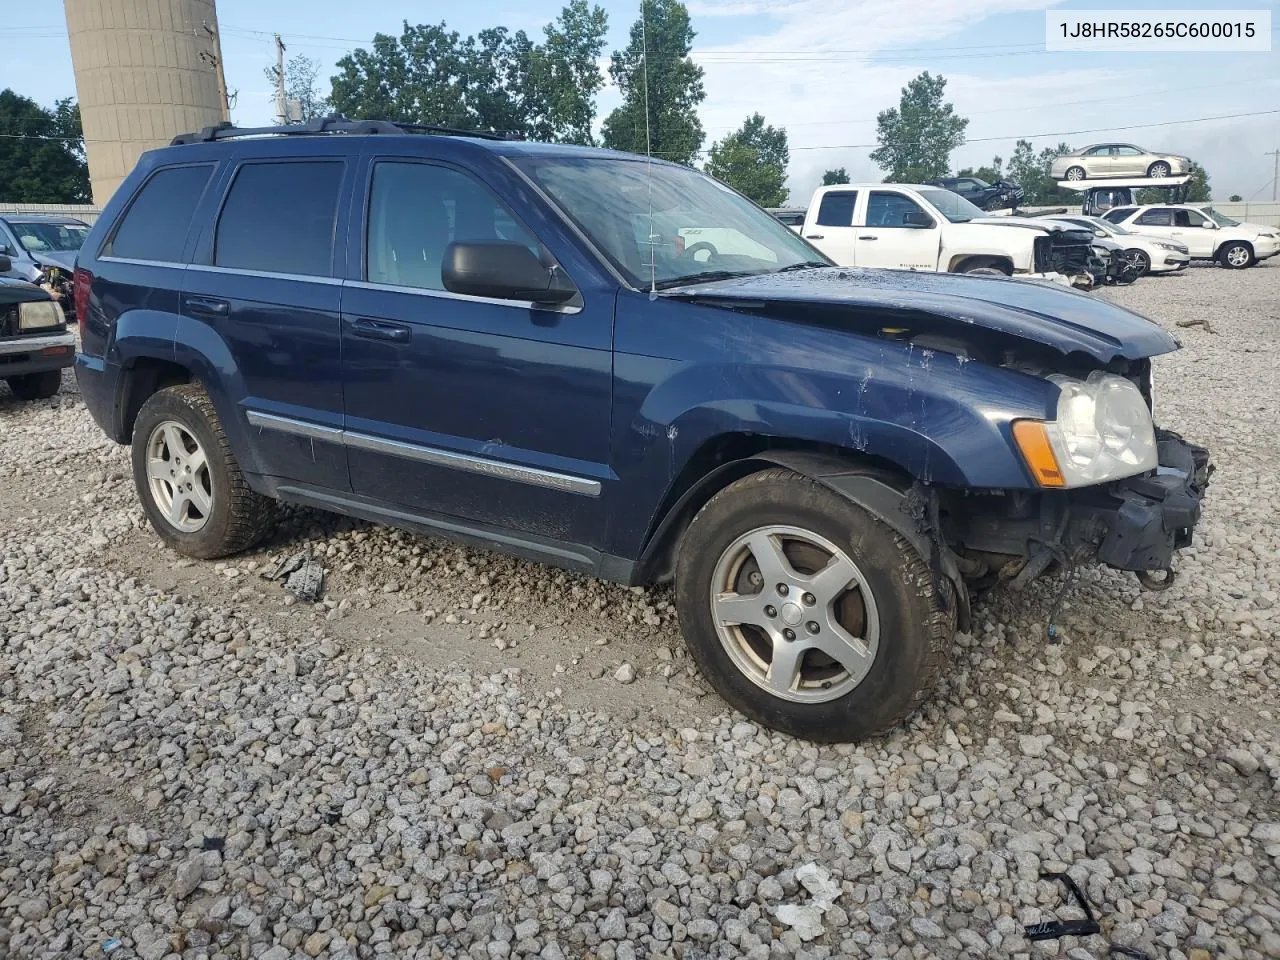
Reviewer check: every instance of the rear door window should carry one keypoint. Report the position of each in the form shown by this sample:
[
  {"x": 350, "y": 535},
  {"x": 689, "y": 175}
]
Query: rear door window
[
  {"x": 279, "y": 218},
  {"x": 154, "y": 227},
  {"x": 836, "y": 209},
  {"x": 1156, "y": 218}
]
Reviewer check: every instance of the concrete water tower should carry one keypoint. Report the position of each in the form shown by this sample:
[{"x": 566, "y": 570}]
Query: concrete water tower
[{"x": 146, "y": 70}]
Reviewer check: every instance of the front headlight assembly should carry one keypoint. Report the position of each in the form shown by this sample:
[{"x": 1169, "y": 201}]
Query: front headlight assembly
[
  {"x": 1102, "y": 432},
  {"x": 39, "y": 314}
]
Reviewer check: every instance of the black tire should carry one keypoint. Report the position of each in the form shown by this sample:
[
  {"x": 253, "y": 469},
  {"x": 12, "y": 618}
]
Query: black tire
[
  {"x": 1158, "y": 170},
  {"x": 1140, "y": 260},
  {"x": 985, "y": 270},
  {"x": 1239, "y": 251},
  {"x": 238, "y": 517},
  {"x": 36, "y": 386},
  {"x": 916, "y": 626},
  {"x": 1080, "y": 173}
]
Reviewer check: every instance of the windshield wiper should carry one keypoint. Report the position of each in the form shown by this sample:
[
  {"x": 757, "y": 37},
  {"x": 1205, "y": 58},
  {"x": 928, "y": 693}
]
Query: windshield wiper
[
  {"x": 803, "y": 265},
  {"x": 706, "y": 275}
]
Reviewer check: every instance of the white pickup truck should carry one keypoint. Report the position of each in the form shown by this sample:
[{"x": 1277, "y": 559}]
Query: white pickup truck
[{"x": 914, "y": 227}]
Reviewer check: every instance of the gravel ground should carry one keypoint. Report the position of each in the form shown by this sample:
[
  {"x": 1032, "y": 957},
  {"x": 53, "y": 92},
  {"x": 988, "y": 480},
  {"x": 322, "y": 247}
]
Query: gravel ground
[{"x": 457, "y": 754}]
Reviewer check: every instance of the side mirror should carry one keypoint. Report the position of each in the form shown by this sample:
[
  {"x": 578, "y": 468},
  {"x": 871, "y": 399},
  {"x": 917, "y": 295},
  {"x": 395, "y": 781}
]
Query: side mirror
[
  {"x": 1209, "y": 225},
  {"x": 918, "y": 219},
  {"x": 503, "y": 271},
  {"x": 1099, "y": 233},
  {"x": 5, "y": 263},
  {"x": 6, "y": 250}
]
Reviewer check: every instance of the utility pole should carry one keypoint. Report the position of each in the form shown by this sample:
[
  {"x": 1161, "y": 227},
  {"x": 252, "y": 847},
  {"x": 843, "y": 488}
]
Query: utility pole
[
  {"x": 282, "y": 116},
  {"x": 1275, "y": 180},
  {"x": 215, "y": 58}
]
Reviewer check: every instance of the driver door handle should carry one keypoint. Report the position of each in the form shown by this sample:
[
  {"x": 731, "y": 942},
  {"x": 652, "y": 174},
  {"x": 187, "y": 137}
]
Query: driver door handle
[
  {"x": 868, "y": 237},
  {"x": 814, "y": 236}
]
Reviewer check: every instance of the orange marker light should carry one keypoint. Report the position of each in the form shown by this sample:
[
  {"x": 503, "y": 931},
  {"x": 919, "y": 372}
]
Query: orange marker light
[{"x": 1033, "y": 441}]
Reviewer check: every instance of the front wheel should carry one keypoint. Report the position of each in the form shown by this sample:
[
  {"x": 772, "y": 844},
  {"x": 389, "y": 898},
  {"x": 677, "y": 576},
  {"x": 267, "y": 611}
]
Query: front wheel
[
  {"x": 36, "y": 386},
  {"x": 808, "y": 614},
  {"x": 1076, "y": 173},
  {"x": 1158, "y": 170},
  {"x": 188, "y": 480},
  {"x": 1139, "y": 260},
  {"x": 1236, "y": 255}
]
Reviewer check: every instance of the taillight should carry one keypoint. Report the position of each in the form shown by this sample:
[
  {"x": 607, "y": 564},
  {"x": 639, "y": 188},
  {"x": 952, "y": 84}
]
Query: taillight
[{"x": 82, "y": 281}]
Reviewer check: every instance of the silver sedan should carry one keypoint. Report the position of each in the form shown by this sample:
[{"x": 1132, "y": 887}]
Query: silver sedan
[{"x": 1104, "y": 160}]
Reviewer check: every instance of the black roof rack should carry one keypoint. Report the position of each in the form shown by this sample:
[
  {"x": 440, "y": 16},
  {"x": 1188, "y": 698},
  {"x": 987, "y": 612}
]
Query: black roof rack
[{"x": 332, "y": 124}]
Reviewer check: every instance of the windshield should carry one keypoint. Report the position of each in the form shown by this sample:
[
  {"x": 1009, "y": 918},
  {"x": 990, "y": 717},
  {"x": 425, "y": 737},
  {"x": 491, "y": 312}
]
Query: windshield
[
  {"x": 951, "y": 205},
  {"x": 698, "y": 228},
  {"x": 37, "y": 237},
  {"x": 1220, "y": 219}
]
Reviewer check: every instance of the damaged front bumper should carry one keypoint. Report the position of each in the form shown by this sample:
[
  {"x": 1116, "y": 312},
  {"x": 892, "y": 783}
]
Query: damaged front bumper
[{"x": 1135, "y": 524}]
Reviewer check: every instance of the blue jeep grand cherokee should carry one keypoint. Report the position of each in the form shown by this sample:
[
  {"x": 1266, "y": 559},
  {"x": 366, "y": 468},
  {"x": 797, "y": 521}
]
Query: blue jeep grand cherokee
[{"x": 621, "y": 367}]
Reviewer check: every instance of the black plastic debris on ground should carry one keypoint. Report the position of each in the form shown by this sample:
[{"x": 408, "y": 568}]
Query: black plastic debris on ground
[
  {"x": 1086, "y": 927},
  {"x": 303, "y": 576}
]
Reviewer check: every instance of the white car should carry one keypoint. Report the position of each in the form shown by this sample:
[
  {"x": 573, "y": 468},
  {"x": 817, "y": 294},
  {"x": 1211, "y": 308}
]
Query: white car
[
  {"x": 1149, "y": 254},
  {"x": 1233, "y": 244}
]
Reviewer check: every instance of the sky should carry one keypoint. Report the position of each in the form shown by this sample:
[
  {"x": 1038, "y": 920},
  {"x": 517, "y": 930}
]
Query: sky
[{"x": 821, "y": 69}]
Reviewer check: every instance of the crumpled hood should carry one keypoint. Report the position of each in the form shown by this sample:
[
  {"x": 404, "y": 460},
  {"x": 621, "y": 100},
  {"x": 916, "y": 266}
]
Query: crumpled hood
[
  {"x": 1030, "y": 223},
  {"x": 1039, "y": 312},
  {"x": 63, "y": 259}
]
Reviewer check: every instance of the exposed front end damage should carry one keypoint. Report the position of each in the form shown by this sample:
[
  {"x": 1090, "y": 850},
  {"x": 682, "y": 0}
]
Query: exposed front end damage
[{"x": 1136, "y": 524}]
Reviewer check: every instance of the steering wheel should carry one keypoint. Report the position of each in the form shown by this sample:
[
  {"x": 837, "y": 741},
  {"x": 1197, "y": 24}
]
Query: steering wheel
[{"x": 702, "y": 247}]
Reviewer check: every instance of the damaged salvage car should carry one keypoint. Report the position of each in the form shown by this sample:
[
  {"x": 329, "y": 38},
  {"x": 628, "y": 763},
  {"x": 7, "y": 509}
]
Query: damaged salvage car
[{"x": 514, "y": 345}]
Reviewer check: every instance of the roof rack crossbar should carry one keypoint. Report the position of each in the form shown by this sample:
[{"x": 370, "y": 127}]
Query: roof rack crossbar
[{"x": 331, "y": 124}]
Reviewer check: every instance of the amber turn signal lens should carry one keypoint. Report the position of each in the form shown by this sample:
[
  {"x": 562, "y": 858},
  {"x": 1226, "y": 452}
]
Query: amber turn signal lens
[{"x": 1033, "y": 441}]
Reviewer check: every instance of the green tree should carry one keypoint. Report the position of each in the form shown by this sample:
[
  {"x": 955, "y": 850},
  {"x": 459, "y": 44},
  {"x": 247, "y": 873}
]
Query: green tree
[
  {"x": 673, "y": 82},
  {"x": 1235, "y": 198},
  {"x": 495, "y": 80},
  {"x": 916, "y": 137},
  {"x": 832, "y": 177},
  {"x": 1031, "y": 171},
  {"x": 565, "y": 74},
  {"x": 301, "y": 86},
  {"x": 41, "y": 152},
  {"x": 753, "y": 160}
]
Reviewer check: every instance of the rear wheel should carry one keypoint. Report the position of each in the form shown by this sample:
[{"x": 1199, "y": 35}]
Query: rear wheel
[
  {"x": 1158, "y": 170},
  {"x": 1076, "y": 173},
  {"x": 36, "y": 386},
  {"x": 1236, "y": 255},
  {"x": 188, "y": 481},
  {"x": 806, "y": 613}
]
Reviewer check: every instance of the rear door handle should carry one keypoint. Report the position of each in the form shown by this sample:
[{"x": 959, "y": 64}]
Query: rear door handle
[
  {"x": 814, "y": 236},
  {"x": 207, "y": 307},
  {"x": 381, "y": 330},
  {"x": 868, "y": 238}
]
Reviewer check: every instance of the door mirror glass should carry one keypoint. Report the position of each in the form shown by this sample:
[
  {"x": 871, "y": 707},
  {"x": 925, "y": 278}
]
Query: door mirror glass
[
  {"x": 1209, "y": 225},
  {"x": 6, "y": 250},
  {"x": 504, "y": 271},
  {"x": 5, "y": 263},
  {"x": 918, "y": 219}
]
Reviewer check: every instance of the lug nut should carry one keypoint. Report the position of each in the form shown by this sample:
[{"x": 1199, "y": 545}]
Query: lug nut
[
  {"x": 789, "y": 633},
  {"x": 809, "y": 599},
  {"x": 812, "y": 626},
  {"x": 782, "y": 590},
  {"x": 770, "y": 612}
]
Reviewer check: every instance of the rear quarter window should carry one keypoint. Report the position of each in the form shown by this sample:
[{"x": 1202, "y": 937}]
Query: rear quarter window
[
  {"x": 279, "y": 217},
  {"x": 155, "y": 224}
]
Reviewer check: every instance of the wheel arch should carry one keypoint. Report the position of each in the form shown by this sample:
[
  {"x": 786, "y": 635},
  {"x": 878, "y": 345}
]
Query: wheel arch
[
  {"x": 140, "y": 378},
  {"x": 961, "y": 262},
  {"x": 878, "y": 485}
]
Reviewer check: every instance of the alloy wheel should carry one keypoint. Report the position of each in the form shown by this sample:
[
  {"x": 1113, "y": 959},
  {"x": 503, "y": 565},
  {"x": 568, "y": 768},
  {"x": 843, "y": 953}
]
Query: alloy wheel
[
  {"x": 178, "y": 477},
  {"x": 795, "y": 614}
]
